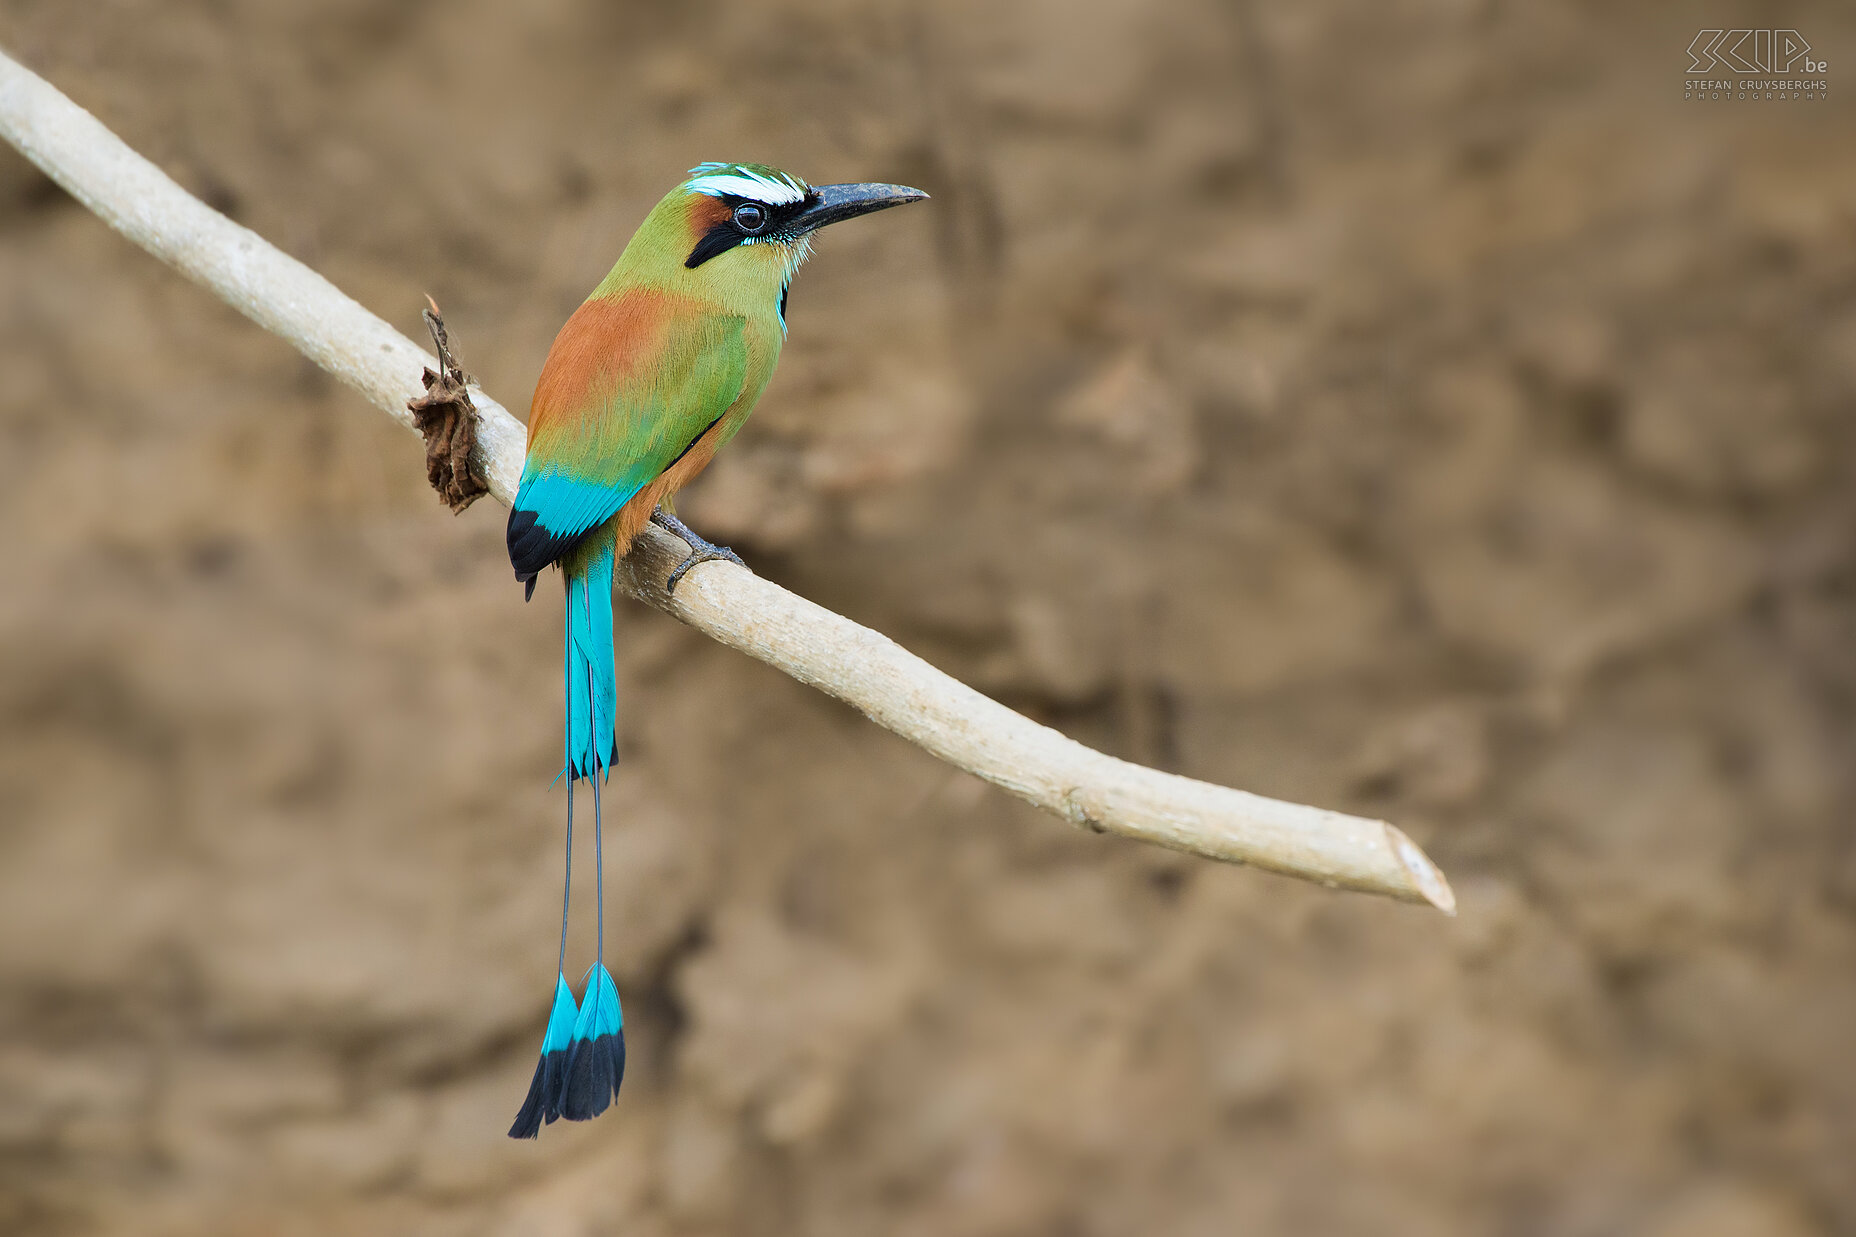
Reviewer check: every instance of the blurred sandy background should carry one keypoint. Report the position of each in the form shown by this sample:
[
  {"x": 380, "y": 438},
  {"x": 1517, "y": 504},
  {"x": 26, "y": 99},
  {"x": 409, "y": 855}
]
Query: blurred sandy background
[{"x": 1415, "y": 409}]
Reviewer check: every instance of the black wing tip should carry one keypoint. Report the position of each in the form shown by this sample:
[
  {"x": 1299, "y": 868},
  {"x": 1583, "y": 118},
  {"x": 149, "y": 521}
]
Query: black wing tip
[
  {"x": 595, "y": 1068},
  {"x": 532, "y": 546}
]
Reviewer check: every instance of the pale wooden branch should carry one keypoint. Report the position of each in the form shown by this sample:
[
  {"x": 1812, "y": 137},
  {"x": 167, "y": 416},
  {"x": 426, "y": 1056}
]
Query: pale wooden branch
[{"x": 891, "y": 686}]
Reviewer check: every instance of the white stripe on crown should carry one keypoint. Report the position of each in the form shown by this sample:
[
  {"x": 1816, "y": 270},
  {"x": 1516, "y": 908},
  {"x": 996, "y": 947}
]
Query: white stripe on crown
[{"x": 732, "y": 178}]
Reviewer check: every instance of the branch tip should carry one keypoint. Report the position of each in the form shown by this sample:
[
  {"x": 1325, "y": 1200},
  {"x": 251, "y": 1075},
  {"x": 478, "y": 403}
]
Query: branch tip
[{"x": 1428, "y": 879}]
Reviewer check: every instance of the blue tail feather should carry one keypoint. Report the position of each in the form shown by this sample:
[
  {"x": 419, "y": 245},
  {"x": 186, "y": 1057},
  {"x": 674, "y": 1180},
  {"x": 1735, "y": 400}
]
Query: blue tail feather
[
  {"x": 596, "y": 1059},
  {"x": 545, "y": 1089},
  {"x": 592, "y": 693}
]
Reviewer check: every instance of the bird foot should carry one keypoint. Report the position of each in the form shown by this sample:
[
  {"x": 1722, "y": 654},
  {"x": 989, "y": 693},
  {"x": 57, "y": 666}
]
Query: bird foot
[{"x": 701, "y": 551}]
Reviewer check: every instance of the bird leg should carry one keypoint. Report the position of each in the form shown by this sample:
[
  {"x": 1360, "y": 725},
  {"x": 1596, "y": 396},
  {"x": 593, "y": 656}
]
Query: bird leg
[{"x": 701, "y": 551}]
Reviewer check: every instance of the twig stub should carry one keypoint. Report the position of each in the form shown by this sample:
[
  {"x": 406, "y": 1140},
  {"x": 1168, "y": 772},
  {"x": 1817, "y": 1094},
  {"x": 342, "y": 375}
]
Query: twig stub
[{"x": 448, "y": 421}]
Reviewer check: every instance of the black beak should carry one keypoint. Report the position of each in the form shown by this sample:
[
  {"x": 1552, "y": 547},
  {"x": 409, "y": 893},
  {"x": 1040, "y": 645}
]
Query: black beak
[{"x": 832, "y": 203}]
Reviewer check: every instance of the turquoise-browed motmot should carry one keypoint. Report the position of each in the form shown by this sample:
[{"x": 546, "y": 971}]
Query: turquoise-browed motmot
[{"x": 646, "y": 381}]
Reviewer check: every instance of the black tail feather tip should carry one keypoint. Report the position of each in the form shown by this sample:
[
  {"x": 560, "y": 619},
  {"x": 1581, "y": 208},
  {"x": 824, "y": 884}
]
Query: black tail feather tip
[
  {"x": 595, "y": 1068},
  {"x": 577, "y": 1083},
  {"x": 544, "y": 1096}
]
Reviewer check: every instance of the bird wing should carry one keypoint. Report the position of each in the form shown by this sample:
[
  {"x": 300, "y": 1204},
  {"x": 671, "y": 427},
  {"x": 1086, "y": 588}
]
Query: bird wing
[{"x": 627, "y": 389}]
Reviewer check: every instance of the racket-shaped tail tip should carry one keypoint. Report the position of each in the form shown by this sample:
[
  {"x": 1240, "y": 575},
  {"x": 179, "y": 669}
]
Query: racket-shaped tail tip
[
  {"x": 596, "y": 1060},
  {"x": 546, "y": 1088}
]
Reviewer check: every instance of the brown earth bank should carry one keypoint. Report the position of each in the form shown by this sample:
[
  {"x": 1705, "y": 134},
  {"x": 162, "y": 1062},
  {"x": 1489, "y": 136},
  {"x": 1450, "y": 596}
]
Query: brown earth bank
[{"x": 1415, "y": 409}]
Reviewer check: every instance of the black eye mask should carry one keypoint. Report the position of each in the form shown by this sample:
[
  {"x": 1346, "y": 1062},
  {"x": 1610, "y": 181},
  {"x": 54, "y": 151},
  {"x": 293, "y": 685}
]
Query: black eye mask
[{"x": 729, "y": 233}]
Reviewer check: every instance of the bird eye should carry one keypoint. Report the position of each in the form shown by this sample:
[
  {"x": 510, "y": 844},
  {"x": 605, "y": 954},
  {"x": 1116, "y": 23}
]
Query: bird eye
[{"x": 750, "y": 218}]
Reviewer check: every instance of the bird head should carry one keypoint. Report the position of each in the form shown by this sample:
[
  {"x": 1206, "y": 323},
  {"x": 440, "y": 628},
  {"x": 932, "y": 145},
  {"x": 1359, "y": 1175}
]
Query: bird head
[{"x": 738, "y": 230}]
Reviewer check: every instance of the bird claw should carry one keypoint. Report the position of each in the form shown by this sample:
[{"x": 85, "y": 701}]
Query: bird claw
[
  {"x": 707, "y": 555},
  {"x": 701, "y": 551}
]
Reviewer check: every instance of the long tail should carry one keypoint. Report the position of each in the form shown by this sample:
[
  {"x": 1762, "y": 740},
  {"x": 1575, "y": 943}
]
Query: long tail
[
  {"x": 596, "y": 1056},
  {"x": 583, "y": 1052}
]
